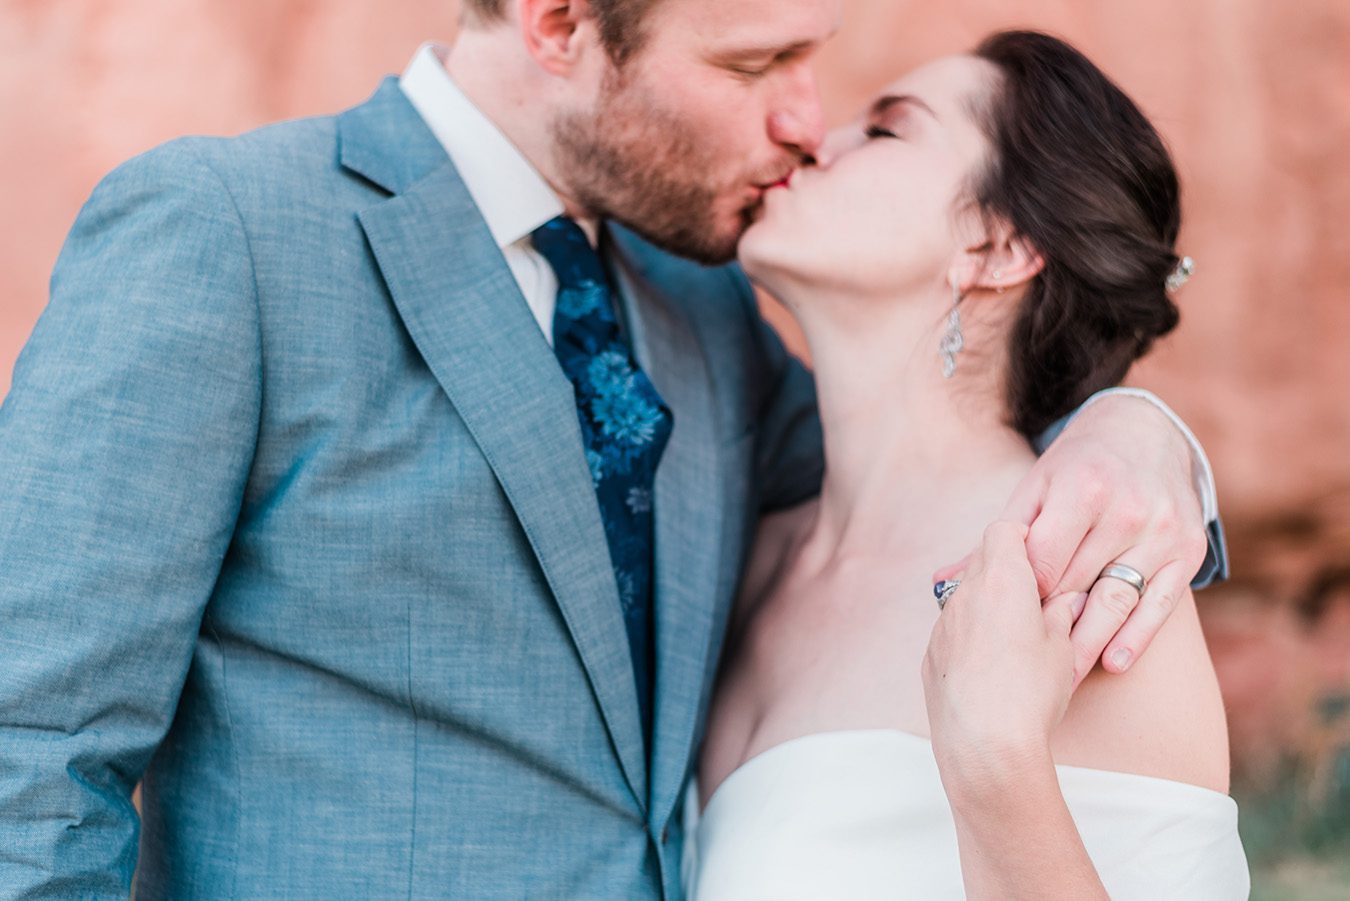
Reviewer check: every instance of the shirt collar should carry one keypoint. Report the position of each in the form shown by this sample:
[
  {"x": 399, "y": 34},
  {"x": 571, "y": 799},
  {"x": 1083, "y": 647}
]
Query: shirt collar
[{"x": 510, "y": 193}]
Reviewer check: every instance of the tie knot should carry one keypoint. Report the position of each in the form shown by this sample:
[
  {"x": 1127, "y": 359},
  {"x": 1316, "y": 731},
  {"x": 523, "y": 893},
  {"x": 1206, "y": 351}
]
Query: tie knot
[{"x": 569, "y": 252}]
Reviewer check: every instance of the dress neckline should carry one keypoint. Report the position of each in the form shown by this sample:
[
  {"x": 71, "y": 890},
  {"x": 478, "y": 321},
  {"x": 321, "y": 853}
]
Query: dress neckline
[
  {"x": 919, "y": 741},
  {"x": 793, "y": 742}
]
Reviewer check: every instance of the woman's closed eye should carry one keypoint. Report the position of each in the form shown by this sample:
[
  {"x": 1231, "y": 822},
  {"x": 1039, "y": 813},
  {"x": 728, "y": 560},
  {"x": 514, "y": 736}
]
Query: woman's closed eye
[{"x": 876, "y": 131}]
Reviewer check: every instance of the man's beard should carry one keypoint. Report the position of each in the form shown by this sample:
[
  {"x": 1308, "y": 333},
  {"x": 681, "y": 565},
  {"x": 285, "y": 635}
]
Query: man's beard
[{"x": 635, "y": 162}]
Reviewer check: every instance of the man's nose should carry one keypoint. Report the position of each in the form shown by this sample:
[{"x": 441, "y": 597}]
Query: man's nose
[{"x": 799, "y": 123}]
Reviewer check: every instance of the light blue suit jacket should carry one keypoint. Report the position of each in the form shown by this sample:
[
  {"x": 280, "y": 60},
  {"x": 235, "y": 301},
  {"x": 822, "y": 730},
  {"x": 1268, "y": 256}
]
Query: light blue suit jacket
[{"x": 295, "y": 524}]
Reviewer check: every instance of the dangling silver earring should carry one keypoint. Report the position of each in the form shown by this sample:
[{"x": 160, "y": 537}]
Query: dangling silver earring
[
  {"x": 998, "y": 277},
  {"x": 953, "y": 342}
]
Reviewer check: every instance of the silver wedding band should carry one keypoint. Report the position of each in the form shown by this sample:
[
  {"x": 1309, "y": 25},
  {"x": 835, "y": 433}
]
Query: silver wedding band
[{"x": 1127, "y": 574}]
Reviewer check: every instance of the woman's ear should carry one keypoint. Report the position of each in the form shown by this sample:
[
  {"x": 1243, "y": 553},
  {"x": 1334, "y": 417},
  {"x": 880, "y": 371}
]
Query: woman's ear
[
  {"x": 556, "y": 32},
  {"x": 1009, "y": 260}
]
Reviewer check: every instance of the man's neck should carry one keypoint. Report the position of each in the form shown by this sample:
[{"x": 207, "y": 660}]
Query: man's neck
[{"x": 488, "y": 67}]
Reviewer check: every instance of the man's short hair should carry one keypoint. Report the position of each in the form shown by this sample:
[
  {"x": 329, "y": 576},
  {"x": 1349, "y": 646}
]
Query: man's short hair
[{"x": 620, "y": 21}]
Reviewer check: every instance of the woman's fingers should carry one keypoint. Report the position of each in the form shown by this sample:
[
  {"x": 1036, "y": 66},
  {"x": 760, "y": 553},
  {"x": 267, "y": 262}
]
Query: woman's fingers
[
  {"x": 999, "y": 569},
  {"x": 1062, "y": 611}
]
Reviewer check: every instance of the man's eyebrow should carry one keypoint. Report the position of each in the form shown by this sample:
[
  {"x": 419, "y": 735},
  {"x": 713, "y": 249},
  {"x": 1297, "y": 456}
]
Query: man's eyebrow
[
  {"x": 773, "y": 51},
  {"x": 890, "y": 101}
]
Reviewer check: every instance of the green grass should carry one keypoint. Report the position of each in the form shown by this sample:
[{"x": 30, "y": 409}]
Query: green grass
[
  {"x": 1299, "y": 846},
  {"x": 1302, "y": 879}
]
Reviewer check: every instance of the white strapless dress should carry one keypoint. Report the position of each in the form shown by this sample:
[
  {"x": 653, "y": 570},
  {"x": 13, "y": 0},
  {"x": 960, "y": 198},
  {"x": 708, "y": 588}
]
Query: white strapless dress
[{"x": 862, "y": 815}]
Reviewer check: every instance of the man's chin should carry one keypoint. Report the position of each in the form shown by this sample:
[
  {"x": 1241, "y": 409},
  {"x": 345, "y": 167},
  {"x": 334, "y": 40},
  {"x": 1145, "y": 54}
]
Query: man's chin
[
  {"x": 718, "y": 255},
  {"x": 720, "y": 247},
  {"x": 708, "y": 246},
  {"x": 721, "y": 253}
]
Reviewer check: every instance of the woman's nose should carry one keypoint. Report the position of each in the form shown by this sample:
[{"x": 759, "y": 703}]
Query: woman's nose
[{"x": 836, "y": 143}]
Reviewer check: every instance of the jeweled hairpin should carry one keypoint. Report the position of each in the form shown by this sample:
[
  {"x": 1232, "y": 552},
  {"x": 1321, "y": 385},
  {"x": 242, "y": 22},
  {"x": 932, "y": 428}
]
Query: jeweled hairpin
[{"x": 1181, "y": 275}]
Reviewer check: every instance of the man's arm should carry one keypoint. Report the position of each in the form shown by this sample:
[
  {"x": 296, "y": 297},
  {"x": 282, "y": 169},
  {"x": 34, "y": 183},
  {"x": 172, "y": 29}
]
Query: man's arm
[
  {"x": 1126, "y": 481},
  {"x": 125, "y": 443}
]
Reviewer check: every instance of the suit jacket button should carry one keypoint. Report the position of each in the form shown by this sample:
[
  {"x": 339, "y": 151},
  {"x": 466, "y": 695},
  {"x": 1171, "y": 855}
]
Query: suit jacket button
[{"x": 665, "y": 836}]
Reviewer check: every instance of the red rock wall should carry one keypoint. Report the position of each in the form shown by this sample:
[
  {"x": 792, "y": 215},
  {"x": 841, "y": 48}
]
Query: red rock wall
[{"x": 1253, "y": 96}]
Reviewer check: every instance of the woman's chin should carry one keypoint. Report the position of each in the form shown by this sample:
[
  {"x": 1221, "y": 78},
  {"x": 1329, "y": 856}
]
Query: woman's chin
[
  {"x": 776, "y": 248},
  {"x": 752, "y": 249},
  {"x": 763, "y": 246}
]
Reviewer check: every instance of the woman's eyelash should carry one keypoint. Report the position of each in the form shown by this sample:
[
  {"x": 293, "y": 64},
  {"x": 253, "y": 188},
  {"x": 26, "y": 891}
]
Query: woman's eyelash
[{"x": 876, "y": 131}]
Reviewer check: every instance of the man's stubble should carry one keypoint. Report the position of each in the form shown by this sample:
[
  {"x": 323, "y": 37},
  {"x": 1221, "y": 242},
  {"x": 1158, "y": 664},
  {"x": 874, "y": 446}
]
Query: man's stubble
[{"x": 639, "y": 163}]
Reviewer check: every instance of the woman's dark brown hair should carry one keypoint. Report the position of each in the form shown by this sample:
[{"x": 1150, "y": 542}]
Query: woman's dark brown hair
[{"x": 1078, "y": 172}]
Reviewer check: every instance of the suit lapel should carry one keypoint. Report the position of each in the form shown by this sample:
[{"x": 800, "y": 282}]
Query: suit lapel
[
  {"x": 689, "y": 518},
  {"x": 464, "y": 312}
]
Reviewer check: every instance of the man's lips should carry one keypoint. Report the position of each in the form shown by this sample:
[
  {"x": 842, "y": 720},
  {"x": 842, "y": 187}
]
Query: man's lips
[{"x": 783, "y": 182}]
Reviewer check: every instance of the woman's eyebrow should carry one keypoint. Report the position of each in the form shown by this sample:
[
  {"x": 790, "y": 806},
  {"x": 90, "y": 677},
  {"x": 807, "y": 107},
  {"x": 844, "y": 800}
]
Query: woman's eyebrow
[{"x": 888, "y": 102}]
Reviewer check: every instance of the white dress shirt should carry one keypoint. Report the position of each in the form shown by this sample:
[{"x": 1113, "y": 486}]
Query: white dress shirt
[{"x": 510, "y": 193}]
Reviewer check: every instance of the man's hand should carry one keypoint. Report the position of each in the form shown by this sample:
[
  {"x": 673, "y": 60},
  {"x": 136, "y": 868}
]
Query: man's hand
[{"x": 1115, "y": 487}]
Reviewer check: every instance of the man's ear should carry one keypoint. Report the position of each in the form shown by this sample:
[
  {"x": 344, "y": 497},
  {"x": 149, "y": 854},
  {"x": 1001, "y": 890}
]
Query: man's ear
[{"x": 556, "y": 32}]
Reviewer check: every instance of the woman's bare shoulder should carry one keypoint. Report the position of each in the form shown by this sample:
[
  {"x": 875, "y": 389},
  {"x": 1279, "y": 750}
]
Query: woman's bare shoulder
[{"x": 1164, "y": 717}]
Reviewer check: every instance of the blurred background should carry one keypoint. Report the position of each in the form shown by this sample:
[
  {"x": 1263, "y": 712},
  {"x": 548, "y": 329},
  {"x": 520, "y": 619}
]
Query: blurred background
[{"x": 1252, "y": 95}]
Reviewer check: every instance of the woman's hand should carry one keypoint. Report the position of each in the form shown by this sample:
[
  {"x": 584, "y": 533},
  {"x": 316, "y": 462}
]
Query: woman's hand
[
  {"x": 997, "y": 678},
  {"x": 999, "y": 669}
]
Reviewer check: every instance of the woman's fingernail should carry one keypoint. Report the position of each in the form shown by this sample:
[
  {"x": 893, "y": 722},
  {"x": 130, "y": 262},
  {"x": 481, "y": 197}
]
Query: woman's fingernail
[{"x": 1121, "y": 658}]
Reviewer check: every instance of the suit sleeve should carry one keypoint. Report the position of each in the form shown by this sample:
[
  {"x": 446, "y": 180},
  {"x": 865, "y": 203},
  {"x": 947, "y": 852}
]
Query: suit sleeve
[{"x": 124, "y": 446}]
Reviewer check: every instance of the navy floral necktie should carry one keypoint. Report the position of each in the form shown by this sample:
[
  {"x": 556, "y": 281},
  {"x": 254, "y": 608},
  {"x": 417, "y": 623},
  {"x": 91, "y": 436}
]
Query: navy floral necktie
[{"x": 624, "y": 426}]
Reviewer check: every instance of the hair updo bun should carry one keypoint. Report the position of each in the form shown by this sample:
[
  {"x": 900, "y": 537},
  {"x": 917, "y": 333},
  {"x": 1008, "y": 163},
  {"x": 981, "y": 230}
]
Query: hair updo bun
[{"x": 1077, "y": 171}]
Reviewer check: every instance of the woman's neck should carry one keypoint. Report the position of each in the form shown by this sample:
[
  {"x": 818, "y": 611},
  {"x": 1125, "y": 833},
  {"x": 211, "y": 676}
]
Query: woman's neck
[{"x": 908, "y": 453}]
